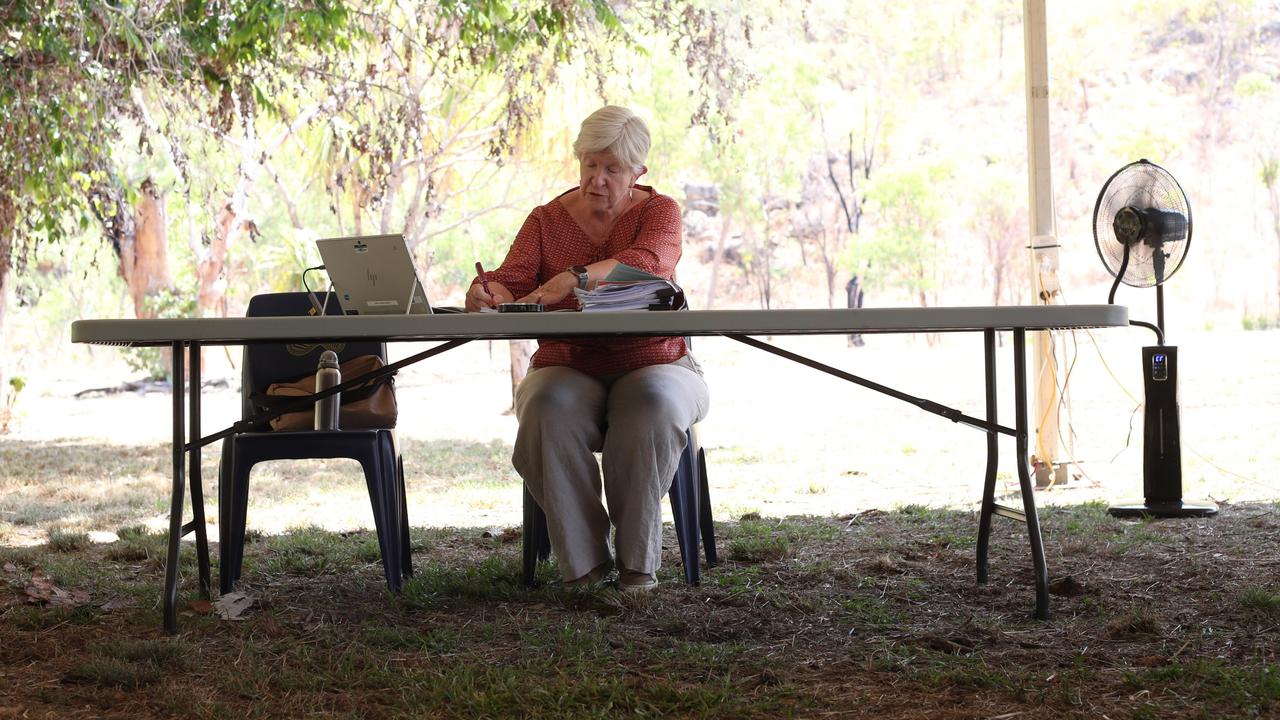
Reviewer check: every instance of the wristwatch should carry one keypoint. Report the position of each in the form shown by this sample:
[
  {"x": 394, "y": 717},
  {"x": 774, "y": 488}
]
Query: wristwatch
[{"x": 580, "y": 272}]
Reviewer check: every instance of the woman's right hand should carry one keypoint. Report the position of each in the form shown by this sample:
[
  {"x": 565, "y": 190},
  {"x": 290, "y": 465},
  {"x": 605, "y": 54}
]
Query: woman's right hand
[{"x": 477, "y": 298}]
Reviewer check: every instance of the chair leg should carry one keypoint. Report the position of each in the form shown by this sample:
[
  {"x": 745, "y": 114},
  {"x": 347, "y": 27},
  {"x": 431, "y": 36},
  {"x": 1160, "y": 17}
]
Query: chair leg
[
  {"x": 237, "y": 510},
  {"x": 385, "y": 515},
  {"x": 406, "y": 545},
  {"x": 690, "y": 510},
  {"x": 225, "y": 522},
  {"x": 530, "y": 538},
  {"x": 705, "y": 521},
  {"x": 393, "y": 511},
  {"x": 684, "y": 511}
]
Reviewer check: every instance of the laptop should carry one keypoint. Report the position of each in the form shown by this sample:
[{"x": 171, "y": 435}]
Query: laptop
[{"x": 374, "y": 275}]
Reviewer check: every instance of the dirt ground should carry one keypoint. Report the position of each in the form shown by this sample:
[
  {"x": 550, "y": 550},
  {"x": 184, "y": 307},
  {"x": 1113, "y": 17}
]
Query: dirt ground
[
  {"x": 868, "y": 615},
  {"x": 846, "y": 588}
]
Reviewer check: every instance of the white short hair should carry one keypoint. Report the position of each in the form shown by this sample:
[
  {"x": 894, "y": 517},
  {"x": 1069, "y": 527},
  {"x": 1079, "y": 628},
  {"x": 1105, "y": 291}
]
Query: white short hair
[{"x": 617, "y": 130}]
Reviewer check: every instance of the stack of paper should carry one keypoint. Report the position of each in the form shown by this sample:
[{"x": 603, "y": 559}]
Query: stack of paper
[{"x": 628, "y": 288}]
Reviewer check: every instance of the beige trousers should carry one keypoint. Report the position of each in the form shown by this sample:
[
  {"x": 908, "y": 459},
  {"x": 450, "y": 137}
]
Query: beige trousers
[{"x": 563, "y": 415}]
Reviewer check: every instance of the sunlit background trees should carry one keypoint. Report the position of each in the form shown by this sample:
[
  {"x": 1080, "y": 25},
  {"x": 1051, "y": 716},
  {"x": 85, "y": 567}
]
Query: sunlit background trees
[{"x": 164, "y": 159}]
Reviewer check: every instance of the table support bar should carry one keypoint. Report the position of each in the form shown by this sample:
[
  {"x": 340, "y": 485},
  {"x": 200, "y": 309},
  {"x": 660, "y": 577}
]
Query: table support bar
[
  {"x": 991, "y": 427},
  {"x": 927, "y": 405}
]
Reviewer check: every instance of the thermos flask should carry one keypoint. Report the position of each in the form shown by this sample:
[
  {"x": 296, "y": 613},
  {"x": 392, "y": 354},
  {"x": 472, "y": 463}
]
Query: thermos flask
[{"x": 328, "y": 375}]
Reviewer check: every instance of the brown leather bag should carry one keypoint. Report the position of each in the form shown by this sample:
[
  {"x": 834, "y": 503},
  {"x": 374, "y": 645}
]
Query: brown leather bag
[{"x": 368, "y": 405}]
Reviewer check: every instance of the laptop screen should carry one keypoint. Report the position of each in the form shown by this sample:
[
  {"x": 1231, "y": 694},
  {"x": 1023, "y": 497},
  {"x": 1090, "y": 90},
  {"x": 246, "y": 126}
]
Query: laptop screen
[{"x": 374, "y": 275}]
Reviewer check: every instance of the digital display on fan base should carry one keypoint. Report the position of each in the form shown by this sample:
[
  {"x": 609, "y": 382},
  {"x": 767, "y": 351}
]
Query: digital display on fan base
[{"x": 1159, "y": 367}]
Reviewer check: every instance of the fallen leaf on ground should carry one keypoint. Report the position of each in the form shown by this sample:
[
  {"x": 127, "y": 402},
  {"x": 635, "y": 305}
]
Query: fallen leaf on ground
[
  {"x": 42, "y": 591},
  {"x": 231, "y": 605},
  {"x": 503, "y": 535}
]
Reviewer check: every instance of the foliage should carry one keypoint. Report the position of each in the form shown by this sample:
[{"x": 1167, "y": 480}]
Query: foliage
[
  {"x": 903, "y": 251},
  {"x": 16, "y": 385},
  {"x": 448, "y": 119},
  {"x": 1260, "y": 321},
  {"x": 74, "y": 69},
  {"x": 398, "y": 109}
]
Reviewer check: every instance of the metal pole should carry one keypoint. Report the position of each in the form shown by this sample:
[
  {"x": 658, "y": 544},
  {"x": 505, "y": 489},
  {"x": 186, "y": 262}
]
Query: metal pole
[
  {"x": 1038, "y": 562},
  {"x": 993, "y": 454},
  {"x": 176, "y": 496},
  {"x": 1160, "y": 311}
]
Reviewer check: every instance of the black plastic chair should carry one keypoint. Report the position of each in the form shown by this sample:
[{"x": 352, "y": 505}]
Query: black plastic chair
[
  {"x": 690, "y": 512},
  {"x": 376, "y": 450}
]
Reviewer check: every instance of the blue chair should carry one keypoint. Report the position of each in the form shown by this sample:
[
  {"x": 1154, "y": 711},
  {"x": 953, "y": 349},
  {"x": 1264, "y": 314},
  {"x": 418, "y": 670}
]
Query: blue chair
[
  {"x": 690, "y": 511},
  {"x": 376, "y": 450}
]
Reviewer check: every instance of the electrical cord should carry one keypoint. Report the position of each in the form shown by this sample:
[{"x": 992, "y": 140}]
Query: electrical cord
[
  {"x": 1064, "y": 398},
  {"x": 315, "y": 301},
  {"x": 1159, "y": 333},
  {"x": 1138, "y": 404}
]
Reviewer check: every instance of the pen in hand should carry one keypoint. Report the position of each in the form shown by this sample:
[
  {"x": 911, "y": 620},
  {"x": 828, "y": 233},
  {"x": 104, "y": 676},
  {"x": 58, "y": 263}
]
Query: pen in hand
[{"x": 484, "y": 281}]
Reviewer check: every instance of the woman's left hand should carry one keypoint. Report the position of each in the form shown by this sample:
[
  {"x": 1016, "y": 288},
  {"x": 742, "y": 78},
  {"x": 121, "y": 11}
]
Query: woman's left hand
[{"x": 553, "y": 290}]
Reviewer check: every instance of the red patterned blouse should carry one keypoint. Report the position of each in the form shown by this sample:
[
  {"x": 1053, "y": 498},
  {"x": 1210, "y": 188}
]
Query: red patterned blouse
[{"x": 648, "y": 237}]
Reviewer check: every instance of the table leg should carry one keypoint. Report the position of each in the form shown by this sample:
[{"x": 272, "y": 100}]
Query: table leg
[
  {"x": 993, "y": 455},
  {"x": 175, "y": 504},
  {"x": 197, "y": 483},
  {"x": 1024, "y": 474}
]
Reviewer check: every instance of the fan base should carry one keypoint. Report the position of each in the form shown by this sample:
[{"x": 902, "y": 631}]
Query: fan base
[{"x": 1165, "y": 509}]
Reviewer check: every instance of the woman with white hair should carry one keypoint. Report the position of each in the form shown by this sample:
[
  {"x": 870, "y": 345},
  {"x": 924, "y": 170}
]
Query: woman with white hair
[{"x": 632, "y": 399}]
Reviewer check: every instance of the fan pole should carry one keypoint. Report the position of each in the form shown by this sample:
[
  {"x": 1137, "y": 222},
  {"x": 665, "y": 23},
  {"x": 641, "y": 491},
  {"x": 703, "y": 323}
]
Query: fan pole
[{"x": 1160, "y": 310}]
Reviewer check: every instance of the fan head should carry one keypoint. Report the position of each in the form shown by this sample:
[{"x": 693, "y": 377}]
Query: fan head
[{"x": 1142, "y": 224}]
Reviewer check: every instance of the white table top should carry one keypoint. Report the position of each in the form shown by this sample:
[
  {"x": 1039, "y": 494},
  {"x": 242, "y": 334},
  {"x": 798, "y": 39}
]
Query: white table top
[{"x": 240, "y": 330}]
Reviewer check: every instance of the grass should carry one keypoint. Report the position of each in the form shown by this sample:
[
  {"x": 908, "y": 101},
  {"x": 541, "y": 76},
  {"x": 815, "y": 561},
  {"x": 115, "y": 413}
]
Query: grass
[
  {"x": 129, "y": 663},
  {"x": 67, "y": 541},
  {"x": 1251, "y": 689},
  {"x": 874, "y": 614},
  {"x": 1264, "y": 601},
  {"x": 493, "y": 579},
  {"x": 757, "y": 540},
  {"x": 847, "y": 610}
]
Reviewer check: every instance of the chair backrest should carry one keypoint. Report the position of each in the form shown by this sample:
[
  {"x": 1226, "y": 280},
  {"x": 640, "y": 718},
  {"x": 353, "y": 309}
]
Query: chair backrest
[{"x": 265, "y": 363}]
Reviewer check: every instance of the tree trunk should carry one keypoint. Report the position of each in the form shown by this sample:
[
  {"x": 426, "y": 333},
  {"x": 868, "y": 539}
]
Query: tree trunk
[
  {"x": 7, "y": 216},
  {"x": 521, "y": 353},
  {"x": 717, "y": 259},
  {"x": 144, "y": 257},
  {"x": 230, "y": 225}
]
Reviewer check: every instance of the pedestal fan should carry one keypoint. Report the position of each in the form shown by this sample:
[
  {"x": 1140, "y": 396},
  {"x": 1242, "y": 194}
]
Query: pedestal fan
[{"x": 1142, "y": 229}]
